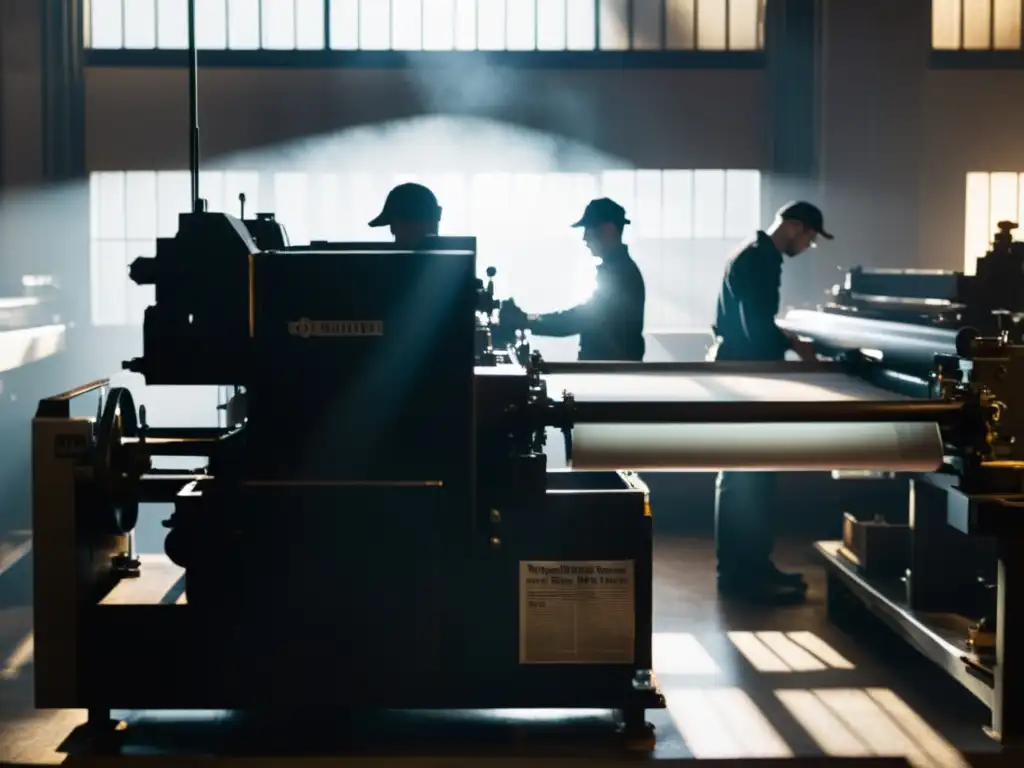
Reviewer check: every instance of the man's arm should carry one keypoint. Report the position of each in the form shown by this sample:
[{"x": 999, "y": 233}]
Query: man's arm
[{"x": 568, "y": 322}]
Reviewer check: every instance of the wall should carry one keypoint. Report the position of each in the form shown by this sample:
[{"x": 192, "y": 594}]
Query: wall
[
  {"x": 20, "y": 94},
  {"x": 898, "y": 138},
  {"x": 137, "y": 119},
  {"x": 973, "y": 122}
]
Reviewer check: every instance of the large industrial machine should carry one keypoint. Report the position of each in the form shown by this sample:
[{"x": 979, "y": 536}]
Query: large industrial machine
[
  {"x": 905, "y": 317},
  {"x": 381, "y": 522},
  {"x": 377, "y": 527},
  {"x": 941, "y": 570}
]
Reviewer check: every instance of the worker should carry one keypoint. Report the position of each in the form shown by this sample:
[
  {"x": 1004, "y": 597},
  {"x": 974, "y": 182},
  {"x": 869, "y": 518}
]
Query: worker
[
  {"x": 746, "y": 330},
  {"x": 412, "y": 213},
  {"x": 610, "y": 323}
]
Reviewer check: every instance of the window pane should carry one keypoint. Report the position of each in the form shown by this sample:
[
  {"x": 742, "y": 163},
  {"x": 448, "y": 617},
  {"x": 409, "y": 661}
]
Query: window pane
[
  {"x": 140, "y": 207},
  {"x": 1003, "y": 201},
  {"x": 551, "y": 25},
  {"x": 110, "y": 280},
  {"x": 375, "y": 24},
  {"x": 291, "y": 193},
  {"x": 946, "y": 24},
  {"x": 465, "y": 25},
  {"x": 211, "y": 24},
  {"x": 173, "y": 190},
  {"x": 1007, "y": 24},
  {"x": 452, "y": 195},
  {"x": 744, "y": 18},
  {"x": 140, "y": 24},
  {"x": 647, "y": 24},
  {"x": 1020, "y": 200},
  {"x": 241, "y": 182},
  {"x": 620, "y": 186},
  {"x": 526, "y": 201},
  {"x": 243, "y": 24},
  {"x": 581, "y": 26},
  {"x": 309, "y": 25},
  {"x": 325, "y": 207},
  {"x": 709, "y": 204},
  {"x": 211, "y": 189},
  {"x": 677, "y": 203},
  {"x": 977, "y": 24},
  {"x": 438, "y": 25},
  {"x": 976, "y": 226},
  {"x": 646, "y": 217},
  {"x": 106, "y": 24},
  {"x": 278, "y": 24},
  {"x": 712, "y": 24},
  {"x": 614, "y": 25},
  {"x": 111, "y": 206},
  {"x": 406, "y": 25},
  {"x": 344, "y": 24},
  {"x": 522, "y": 31},
  {"x": 680, "y": 24},
  {"x": 490, "y": 197},
  {"x": 742, "y": 203},
  {"x": 490, "y": 25},
  {"x": 171, "y": 24}
]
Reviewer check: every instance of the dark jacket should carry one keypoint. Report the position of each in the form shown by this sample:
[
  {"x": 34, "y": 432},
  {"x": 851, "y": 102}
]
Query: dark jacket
[
  {"x": 748, "y": 304},
  {"x": 610, "y": 323}
]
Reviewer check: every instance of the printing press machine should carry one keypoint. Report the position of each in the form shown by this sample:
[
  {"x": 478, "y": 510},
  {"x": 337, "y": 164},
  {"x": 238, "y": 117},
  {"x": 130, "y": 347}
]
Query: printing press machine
[
  {"x": 904, "y": 317},
  {"x": 380, "y": 521},
  {"x": 942, "y": 571}
]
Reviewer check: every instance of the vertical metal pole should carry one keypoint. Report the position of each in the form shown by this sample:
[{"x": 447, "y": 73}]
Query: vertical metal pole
[{"x": 193, "y": 107}]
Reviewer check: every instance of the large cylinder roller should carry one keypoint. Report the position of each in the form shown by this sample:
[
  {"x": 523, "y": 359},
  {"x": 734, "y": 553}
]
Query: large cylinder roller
[{"x": 808, "y": 420}]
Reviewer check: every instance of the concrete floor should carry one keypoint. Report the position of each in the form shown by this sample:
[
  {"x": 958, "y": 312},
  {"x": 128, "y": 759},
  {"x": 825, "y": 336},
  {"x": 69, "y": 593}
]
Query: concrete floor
[{"x": 739, "y": 684}]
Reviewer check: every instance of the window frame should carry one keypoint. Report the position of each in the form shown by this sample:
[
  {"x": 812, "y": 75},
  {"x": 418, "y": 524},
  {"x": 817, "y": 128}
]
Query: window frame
[
  {"x": 976, "y": 58},
  {"x": 328, "y": 57}
]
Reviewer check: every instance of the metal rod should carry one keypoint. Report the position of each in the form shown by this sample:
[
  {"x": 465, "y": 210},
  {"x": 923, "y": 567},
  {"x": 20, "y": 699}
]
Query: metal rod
[
  {"x": 186, "y": 433},
  {"x": 724, "y": 367},
  {"x": 762, "y": 412},
  {"x": 193, "y": 106}
]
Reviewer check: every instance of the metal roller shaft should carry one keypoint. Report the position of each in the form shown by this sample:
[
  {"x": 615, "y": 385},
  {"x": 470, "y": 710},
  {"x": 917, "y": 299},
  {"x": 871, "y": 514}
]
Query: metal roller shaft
[
  {"x": 762, "y": 412},
  {"x": 899, "y": 342}
]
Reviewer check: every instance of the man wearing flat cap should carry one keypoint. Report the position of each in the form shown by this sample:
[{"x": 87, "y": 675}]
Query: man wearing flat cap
[
  {"x": 610, "y": 323},
  {"x": 412, "y": 213},
  {"x": 745, "y": 327}
]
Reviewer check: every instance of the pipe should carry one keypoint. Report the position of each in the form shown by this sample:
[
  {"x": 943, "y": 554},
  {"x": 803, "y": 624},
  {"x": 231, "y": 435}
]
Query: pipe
[
  {"x": 761, "y": 412},
  {"x": 716, "y": 368},
  {"x": 897, "y": 342}
]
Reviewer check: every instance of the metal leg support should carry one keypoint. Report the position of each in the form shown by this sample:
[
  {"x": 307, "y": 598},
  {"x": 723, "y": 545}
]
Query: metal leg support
[
  {"x": 102, "y": 731},
  {"x": 1008, "y": 699},
  {"x": 633, "y": 725}
]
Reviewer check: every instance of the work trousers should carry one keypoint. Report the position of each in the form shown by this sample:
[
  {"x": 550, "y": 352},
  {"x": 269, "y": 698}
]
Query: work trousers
[{"x": 745, "y": 509}]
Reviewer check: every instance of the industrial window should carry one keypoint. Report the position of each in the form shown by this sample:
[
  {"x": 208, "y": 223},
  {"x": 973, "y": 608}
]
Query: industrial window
[
  {"x": 977, "y": 25},
  {"x": 429, "y": 25},
  {"x": 685, "y": 225},
  {"x": 991, "y": 198}
]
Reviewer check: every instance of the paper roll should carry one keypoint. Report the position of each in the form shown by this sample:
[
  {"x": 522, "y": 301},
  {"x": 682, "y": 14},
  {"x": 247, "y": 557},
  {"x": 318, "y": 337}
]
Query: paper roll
[
  {"x": 714, "y": 387},
  {"x": 821, "y": 447}
]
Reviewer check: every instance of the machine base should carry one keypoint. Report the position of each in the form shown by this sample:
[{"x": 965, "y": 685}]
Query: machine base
[
  {"x": 942, "y": 638},
  {"x": 937, "y": 636}
]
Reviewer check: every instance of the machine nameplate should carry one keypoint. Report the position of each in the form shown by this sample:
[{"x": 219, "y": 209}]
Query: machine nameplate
[
  {"x": 305, "y": 328},
  {"x": 580, "y": 612},
  {"x": 68, "y": 446}
]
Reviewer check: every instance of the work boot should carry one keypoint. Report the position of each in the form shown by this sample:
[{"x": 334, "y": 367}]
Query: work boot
[
  {"x": 786, "y": 579},
  {"x": 770, "y": 587}
]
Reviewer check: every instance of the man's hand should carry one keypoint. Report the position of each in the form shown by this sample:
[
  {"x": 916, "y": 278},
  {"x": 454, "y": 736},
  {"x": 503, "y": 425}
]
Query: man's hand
[{"x": 804, "y": 349}]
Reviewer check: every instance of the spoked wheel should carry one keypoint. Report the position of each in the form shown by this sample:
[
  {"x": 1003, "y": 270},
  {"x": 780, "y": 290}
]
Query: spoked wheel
[{"x": 116, "y": 476}]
